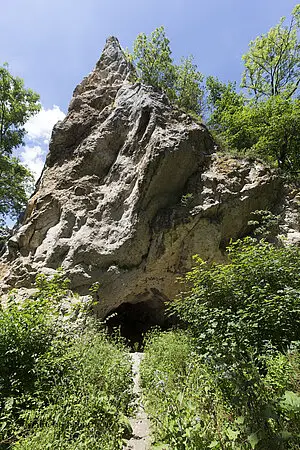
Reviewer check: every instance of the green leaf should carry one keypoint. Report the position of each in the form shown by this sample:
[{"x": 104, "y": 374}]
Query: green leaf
[
  {"x": 232, "y": 434},
  {"x": 290, "y": 401},
  {"x": 240, "y": 420},
  {"x": 253, "y": 440}
]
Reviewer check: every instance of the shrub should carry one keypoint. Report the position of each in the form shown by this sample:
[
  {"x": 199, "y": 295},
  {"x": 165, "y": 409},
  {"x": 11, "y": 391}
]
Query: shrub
[
  {"x": 230, "y": 372},
  {"x": 64, "y": 384},
  {"x": 176, "y": 387},
  {"x": 246, "y": 305},
  {"x": 187, "y": 400}
]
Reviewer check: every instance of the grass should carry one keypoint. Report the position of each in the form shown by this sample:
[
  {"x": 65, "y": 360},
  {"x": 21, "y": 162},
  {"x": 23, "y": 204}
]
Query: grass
[
  {"x": 64, "y": 383},
  {"x": 187, "y": 400},
  {"x": 87, "y": 407}
]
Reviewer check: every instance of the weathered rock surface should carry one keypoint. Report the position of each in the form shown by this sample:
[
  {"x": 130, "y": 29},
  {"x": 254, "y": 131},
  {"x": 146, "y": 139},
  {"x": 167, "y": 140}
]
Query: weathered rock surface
[
  {"x": 131, "y": 189},
  {"x": 290, "y": 214}
]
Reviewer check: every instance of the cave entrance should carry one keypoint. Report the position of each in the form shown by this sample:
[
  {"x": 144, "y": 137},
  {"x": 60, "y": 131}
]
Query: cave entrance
[{"x": 136, "y": 318}]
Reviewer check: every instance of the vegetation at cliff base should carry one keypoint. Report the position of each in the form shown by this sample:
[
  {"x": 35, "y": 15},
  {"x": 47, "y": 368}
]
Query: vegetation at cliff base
[
  {"x": 250, "y": 304},
  {"x": 230, "y": 378},
  {"x": 64, "y": 384}
]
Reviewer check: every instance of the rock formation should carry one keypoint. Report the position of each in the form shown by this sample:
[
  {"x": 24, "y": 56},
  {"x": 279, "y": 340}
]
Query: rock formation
[{"x": 131, "y": 189}]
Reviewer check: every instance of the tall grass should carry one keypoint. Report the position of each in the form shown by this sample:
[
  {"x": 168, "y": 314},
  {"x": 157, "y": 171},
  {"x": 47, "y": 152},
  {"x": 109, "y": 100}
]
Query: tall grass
[
  {"x": 187, "y": 401},
  {"x": 64, "y": 383}
]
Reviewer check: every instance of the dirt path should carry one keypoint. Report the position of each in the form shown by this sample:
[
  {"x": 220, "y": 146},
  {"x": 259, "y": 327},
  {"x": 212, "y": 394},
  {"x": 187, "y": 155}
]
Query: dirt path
[{"x": 140, "y": 423}]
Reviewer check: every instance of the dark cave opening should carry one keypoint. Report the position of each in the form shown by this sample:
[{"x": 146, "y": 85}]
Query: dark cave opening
[{"x": 135, "y": 319}]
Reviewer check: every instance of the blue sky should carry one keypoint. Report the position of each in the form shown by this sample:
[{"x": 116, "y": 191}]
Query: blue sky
[{"x": 53, "y": 44}]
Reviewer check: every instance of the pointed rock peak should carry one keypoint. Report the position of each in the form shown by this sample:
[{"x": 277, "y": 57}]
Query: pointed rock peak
[
  {"x": 112, "y": 49},
  {"x": 113, "y": 58},
  {"x": 112, "y": 70}
]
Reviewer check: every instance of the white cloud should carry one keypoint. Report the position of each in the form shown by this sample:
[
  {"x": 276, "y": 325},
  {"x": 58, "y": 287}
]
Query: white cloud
[
  {"x": 33, "y": 158},
  {"x": 39, "y": 127}
]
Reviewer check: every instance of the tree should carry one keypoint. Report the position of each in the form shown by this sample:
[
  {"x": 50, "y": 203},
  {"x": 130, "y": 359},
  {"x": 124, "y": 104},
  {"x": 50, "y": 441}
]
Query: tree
[
  {"x": 277, "y": 129},
  {"x": 152, "y": 59},
  {"x": 222, "y": 99},
  {"x": 17, "y": 105},
  {"x": 15, "y": 180},
  {"x": 272, "y": 63},
  {"x": 265, "y": 123},
  {"x": 269, "y": 129},
  {"x": 189, "y": 93}
]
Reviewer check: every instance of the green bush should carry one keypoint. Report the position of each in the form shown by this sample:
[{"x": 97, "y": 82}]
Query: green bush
[
  {"x": 247, "y": 305},
  {"x": 87, "y": 406},
  {"x": 187, "y": 401},
  {"x": 64, "y": 384},
  {"x": 176, "y": 388},
  {"x": 231, "y": 380}
]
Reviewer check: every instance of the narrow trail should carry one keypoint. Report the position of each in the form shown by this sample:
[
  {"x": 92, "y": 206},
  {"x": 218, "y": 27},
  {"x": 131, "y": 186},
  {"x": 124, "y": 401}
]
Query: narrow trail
[{"x": 140, "y": 423}]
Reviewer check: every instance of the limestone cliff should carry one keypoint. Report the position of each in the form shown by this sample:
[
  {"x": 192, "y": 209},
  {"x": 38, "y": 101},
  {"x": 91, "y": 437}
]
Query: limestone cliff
[{"x": 131, "y": 189}]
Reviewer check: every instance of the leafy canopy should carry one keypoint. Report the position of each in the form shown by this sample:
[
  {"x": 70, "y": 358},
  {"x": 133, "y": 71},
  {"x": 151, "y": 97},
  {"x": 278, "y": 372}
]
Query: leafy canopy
[
  {"x": 269, "y": 129},
  {"x": 189, "y": 92},
  {"x": 17, "y": 105},
  {"x": 264, "y": 119},
  {"x": 152, "y": 59},
  {"x": 272, "y": 63},
  {"x": 222, "y": 100},
  {"x": 15, "y": 182}
]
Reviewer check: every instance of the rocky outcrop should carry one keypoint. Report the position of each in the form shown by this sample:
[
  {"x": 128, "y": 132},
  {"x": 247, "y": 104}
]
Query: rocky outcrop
[
  {"x": 290, "y": 215},
  {"x": 131, "y": 189}
]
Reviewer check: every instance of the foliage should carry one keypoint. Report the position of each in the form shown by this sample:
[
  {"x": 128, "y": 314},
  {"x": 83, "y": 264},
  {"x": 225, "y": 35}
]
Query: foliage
[
  {"x": 273, "y": 128},
  {"x": 268, "y": 129},
  {"x": 187, "y": 399},
  {"x": 17, "y": 105},
  {"x": 276, "y": 130},
  {"x": 272, "y": 62},
  {"x": 63, "y": 383},
  {"x": 251, "y": 302},
  {"x": 152, "y": 59},
  {"x": 266, "y": 123},
  {"x": 264, "y": 224},
  {"x": 93, "y": 389},
  {"x": 222, "y": 98},
  {"x": 175, "y": 395},
  {"x": 15, "y": 183},
  {"x": 189, "y": 92},
  {"x": 243, "y": 316}
]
